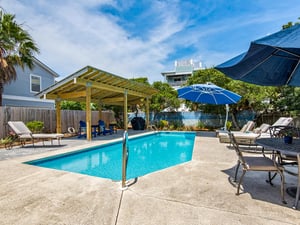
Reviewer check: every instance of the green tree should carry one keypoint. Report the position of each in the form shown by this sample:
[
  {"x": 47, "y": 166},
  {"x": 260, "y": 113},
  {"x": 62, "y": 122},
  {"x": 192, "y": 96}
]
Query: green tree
[
  {"x": 253, "y": 96},
  {"x": 71, "y": 105},
  {"x": 141, "y": 106},
  {"x": 16, "y": 48},
  {"x": 143, "y": 80},
  {"x": 166, "y": 98},
  {"x": 290, "y": 24},
  {"x": 204, "y": 76},
  {"x": 209, "y": 75}
]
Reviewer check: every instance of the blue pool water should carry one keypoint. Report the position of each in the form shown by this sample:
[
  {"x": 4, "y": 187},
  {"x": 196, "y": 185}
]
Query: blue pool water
[{"x": 147, "y": 154}]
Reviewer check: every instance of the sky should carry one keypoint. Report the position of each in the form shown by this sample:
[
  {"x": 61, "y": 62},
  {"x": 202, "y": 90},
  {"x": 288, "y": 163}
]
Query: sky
[{"x": 142, "y": 38}]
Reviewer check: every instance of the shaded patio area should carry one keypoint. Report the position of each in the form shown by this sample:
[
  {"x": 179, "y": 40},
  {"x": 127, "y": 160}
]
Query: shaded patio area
[{"x": 196, "y": 192}]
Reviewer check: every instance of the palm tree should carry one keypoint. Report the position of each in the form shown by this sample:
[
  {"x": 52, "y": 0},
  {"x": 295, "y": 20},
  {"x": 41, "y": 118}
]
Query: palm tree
[{"x": 16, "y": 48}]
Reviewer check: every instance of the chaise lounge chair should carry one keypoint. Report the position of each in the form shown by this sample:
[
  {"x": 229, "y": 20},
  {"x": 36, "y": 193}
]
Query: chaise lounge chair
[
  {"x": 248, "y": 127},
  {"x": 23, "y": 132},
  {"x": 248, "y": 138}
]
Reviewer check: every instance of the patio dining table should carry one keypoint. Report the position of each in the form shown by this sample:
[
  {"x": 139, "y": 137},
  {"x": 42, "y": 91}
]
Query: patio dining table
[{"x": 278, "y": 145}]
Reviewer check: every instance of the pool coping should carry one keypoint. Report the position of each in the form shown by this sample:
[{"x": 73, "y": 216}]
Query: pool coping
[{"x": 197, "y": 192}]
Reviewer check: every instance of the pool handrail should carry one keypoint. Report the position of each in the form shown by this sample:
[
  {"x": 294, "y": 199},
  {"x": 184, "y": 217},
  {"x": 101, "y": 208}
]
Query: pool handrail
[{"x": 124, "y": 159}]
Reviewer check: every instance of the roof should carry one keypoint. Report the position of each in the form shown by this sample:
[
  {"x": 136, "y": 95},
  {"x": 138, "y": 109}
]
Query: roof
[
  {"x": 43, "y": 65},
  {"x": 106, "y": 88}
]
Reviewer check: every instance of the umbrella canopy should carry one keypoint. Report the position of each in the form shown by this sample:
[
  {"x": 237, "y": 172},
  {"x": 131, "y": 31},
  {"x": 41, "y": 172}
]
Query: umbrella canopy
[
  {"x": 209, "y": 94},
  {"x": 270, "y": 61}
]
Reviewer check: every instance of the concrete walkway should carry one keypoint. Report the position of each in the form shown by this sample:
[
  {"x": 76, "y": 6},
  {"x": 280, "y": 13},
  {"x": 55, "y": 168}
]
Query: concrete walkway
[{"x": 197, "y": 192}]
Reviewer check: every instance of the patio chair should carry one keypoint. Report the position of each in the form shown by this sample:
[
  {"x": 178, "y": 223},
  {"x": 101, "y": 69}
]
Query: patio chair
[
  {"x": 298, "y": 185},
  {"x": 23, "y": 133},
  {"x": 82, "y": 129},
  {"x": 284, "y": 159},
  {"x": 255, "y": 163},
  {"x": 103, "y": 129}
]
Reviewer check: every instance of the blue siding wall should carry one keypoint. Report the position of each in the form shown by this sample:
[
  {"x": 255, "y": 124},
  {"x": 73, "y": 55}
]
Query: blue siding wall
[{"x": 18, "y": 93}]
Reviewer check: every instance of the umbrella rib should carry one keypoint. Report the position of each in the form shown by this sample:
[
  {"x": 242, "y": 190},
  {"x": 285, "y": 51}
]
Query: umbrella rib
[
  {"x": 274, "y": 53},
  {"x": 233, "y": 101},
  {"x": 291, "y": 53},
  {"x": 292, "y": 73},
  {"x": 258, "y": 64}
]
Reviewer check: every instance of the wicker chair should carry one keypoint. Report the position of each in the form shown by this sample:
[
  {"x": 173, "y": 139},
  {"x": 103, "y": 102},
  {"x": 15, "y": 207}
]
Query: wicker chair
[{"x": 298, "y": 186}]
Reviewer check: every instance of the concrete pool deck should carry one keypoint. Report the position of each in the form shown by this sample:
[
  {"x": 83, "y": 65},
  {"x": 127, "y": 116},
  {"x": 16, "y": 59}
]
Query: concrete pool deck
[{"x": 196, "y": 192}]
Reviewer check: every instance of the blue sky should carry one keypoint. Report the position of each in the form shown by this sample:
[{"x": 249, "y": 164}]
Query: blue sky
[{"x": 142, "y": 38}]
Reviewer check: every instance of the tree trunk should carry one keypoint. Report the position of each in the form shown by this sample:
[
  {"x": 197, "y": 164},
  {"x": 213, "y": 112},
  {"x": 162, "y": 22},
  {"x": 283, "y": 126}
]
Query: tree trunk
[
  {"x": 1, "y": 92},
  {"x": 234, "y": 121}
]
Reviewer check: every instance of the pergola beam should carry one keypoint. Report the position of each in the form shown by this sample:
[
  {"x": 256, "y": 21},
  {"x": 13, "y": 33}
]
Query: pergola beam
[
  {"x": 74, "y": 94},
  {"x": 107, "y": 87}
]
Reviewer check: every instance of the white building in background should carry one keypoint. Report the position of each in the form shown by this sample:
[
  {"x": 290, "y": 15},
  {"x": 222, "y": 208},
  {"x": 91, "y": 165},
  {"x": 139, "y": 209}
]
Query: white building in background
[
  {"x": 177, "y": 78},
  {"x": 183, "y": 70}
]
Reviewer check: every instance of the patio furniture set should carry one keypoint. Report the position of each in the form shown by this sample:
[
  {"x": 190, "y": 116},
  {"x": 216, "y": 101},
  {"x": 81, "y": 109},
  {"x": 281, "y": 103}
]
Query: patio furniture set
[
  {"x": 284, "y": 156},
  {"x": 97, "y": 129}
]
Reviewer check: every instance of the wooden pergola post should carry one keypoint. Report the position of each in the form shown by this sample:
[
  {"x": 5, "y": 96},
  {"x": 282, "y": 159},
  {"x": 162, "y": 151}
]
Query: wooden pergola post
[
  {"x": 88, "y": 113},
  {"x": 58, "y": 115},
  {"x": 100, "y": 111},
  {"x": 125, "y": 116},
  {"x": 147, "y": 113}
]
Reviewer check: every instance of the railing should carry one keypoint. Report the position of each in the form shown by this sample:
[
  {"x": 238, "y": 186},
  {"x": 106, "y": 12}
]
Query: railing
[{"x": 124, "y": 159}]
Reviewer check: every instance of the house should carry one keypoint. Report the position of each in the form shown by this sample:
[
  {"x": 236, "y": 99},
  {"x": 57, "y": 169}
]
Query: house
[
  {"x": 183, "y": 70},
  {"x": 22, "y": 91}
]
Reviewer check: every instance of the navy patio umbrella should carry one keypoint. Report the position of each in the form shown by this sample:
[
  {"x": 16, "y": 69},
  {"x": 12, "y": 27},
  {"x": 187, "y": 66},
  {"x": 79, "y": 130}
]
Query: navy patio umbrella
[
  {"x": 270, "y": 61},
  {"x": 209, "y": 94}
]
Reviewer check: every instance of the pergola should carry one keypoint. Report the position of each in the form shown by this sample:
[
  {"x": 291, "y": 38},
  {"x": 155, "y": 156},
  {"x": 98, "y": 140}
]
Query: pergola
[{"x": 93, "y": 85}]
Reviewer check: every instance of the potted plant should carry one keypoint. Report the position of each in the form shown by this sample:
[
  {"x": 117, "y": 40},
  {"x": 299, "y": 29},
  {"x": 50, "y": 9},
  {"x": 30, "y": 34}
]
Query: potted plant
[
  {"x": 228, "y": 125},
  {"x": 288, "y": 136}
]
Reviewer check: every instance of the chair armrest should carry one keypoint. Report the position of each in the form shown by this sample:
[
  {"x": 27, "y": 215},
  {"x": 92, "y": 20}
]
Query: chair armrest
[{"x": 280, "y": 130}]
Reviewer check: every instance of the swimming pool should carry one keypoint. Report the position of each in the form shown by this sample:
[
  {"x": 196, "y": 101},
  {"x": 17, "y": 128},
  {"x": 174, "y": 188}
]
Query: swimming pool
[{"x": 147, "y": 154}]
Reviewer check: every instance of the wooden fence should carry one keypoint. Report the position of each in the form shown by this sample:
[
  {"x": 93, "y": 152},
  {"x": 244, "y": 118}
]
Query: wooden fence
[{"x": 69, "y": 118}]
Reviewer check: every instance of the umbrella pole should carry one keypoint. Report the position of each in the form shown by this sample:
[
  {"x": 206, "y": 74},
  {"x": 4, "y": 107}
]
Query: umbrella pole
[{"x": 226, "y": 118}]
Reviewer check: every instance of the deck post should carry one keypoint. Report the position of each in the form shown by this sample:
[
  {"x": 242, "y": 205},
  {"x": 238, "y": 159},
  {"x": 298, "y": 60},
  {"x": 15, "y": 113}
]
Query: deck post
[
  {"x": 88, "y": 113},
  {"x": 58, "y": 115}
]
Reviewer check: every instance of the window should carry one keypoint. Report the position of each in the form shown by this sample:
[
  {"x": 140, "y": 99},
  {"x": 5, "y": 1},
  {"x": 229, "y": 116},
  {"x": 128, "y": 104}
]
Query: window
[{"x": 35, "y": 82}]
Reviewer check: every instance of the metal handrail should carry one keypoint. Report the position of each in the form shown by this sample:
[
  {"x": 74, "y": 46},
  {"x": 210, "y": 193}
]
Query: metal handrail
[{"x": 124, "y": 159}]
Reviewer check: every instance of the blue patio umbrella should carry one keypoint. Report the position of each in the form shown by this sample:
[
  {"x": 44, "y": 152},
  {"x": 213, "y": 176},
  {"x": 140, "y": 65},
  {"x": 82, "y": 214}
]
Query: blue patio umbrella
[
  {"x": 209, "y": 94},
  {"x": 271, "y": 61}
]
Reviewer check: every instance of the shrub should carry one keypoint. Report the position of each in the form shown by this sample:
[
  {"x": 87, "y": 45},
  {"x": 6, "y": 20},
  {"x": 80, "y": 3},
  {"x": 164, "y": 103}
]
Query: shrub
[
  {"x": 176, "y": 124},
  {"x": 35, "y": 126},
  {"x": 200, "y": 125},
  {"x": 164, "y": 124}
]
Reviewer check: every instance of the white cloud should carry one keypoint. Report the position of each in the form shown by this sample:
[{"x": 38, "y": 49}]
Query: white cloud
[
  {"x": 72, "y": 34},
  {"x": 70, "y": 37}
]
